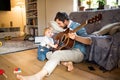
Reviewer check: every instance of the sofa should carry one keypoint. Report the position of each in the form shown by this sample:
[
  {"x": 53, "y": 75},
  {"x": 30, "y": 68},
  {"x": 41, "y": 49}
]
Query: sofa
[
  {"x": 108, "y": 17},
  {"x": 106, "y": 30}
]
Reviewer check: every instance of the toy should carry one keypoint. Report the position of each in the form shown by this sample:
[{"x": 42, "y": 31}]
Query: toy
[
  {"x": 7, "y": 38},
  {"x": 2, "y": 72},
  {"x": 17, "y": 70},
  {"x": 0, "y": 43}
]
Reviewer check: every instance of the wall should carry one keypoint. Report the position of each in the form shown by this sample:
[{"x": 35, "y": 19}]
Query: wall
[
  {"x": 61, "y": 5},
  {"x": 48, "y": 9},
  {"x": 41, "y": 16},
  {"x": 16, "y": 15}
]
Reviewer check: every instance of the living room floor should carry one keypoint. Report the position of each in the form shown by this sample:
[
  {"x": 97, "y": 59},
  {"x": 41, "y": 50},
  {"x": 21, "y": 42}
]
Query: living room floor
[{"x": 29, "y": 64}]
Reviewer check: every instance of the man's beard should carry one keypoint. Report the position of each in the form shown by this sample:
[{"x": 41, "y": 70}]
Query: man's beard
[{"x": 65, "y": 27}]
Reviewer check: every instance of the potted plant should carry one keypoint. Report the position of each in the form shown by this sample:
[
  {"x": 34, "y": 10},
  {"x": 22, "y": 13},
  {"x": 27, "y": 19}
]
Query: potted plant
[
  {"x": 101, "y": 4},
  {"x": 81, "y": 8},
  {"x": 89, "y": 3}
]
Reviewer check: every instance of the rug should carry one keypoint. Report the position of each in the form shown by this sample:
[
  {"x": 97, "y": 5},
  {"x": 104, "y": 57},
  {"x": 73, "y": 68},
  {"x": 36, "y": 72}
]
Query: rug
[{"x": 15, "y": 46}]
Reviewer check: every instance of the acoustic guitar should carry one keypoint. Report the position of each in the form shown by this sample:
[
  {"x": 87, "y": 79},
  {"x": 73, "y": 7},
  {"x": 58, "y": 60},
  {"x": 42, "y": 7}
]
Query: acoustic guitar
[{"x": 64, "y": 42}]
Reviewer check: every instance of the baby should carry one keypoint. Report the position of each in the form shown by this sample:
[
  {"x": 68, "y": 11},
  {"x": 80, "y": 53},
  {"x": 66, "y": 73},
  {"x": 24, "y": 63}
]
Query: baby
[{"x": 46, "y": 43}]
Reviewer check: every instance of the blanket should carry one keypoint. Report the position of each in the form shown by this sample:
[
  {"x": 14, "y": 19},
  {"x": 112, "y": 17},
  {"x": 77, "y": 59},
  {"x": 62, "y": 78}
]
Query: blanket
[{"x": 104, "y": 51}]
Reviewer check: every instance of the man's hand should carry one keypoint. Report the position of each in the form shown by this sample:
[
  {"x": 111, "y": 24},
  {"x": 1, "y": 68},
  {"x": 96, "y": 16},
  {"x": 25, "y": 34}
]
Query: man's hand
[
  {"x": 56, "y": 45},
  {"x": 72, "y": 35}
]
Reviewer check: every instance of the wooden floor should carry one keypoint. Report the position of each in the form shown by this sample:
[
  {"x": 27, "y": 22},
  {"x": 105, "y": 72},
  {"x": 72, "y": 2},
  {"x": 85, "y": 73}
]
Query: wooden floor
[{"x": 27, "y": 61}]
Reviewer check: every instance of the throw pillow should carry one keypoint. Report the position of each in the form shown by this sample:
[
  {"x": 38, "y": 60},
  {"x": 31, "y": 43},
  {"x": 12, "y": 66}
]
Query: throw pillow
[{"x": 106, "y": 29}]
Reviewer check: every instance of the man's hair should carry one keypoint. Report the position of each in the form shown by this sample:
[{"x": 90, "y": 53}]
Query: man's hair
[{"x": 62, "y": 16}]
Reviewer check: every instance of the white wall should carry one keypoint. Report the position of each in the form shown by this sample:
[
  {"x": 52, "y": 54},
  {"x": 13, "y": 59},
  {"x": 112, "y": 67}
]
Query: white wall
[
  {"x": 53, "y": 6},
  {"x": 41, "y": 16},
  {"x": 49, "y": 8}
]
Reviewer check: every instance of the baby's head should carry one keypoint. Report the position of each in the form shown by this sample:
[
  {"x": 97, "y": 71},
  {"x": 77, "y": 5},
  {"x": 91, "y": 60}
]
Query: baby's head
[{"x": 48, "y": 32}]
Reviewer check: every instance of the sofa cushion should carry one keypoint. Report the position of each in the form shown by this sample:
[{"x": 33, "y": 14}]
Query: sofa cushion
[
  {"x": 114, "y": 30},
  {"x": 108, "y": 29},
  {"x": 55, "y": 27}
]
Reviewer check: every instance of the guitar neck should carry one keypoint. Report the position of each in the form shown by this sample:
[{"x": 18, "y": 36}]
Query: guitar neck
[
  {"x": 79, "y": 27},
  {"x": 89, "y": 21}
]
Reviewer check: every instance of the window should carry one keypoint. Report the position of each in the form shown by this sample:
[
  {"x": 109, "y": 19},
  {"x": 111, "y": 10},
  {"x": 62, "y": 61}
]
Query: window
[
  {"x": 118, "y": 2},
  {"x": 113, "y": 2},
  {"x": 94, "y": 3}
]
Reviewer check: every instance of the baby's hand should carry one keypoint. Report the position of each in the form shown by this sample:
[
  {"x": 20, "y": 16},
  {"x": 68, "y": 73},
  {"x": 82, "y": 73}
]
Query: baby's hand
[{"x": 56, "y": 45}]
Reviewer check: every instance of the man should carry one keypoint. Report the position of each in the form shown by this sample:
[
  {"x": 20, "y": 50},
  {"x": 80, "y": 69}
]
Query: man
[{"x": 66, "y": 57}]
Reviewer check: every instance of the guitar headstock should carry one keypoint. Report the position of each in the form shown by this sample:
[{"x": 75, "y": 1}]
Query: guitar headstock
[{"x": 95, "y": 19}]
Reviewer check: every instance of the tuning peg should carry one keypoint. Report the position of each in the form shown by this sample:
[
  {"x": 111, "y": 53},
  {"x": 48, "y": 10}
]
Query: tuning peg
[{"x": 100, "y": 16}]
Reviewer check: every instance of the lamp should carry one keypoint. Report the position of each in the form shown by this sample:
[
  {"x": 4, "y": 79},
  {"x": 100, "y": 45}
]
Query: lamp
[{"x": 20, "y": 4}]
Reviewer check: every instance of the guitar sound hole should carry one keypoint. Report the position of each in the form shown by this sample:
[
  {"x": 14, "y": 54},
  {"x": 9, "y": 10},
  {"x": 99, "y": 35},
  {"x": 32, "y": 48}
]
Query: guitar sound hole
[{"x": 63, "y": 38}]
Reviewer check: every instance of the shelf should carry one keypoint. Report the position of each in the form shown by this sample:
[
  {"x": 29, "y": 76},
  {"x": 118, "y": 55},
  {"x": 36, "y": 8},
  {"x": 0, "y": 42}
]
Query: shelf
[
  {"x": 30, "y": 3},
  {"x": 9, "y": 31},
  {"x": 32, "y": 26},
  {"x": 29, "y": 17},
  {"x": 32, "y": 17},
  {"x": 31, "y": 14}
]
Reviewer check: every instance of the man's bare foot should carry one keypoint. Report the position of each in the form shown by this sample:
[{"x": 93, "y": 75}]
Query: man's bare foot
[
  {"x": 69, "y": 65},
  {"x": 20, "y": 77}
]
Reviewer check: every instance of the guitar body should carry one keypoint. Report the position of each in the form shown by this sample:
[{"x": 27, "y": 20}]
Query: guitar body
[{"x": 64, "y": 42}]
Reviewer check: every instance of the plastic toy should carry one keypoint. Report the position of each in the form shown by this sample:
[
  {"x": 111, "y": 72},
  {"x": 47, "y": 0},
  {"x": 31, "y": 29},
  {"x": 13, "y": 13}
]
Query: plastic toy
[
  {"x": 2, "y": 72},
  {"x": 0, "y": 43},
  {"x": 17, "y": 70},
  {"x": 7, "y": 38}
]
